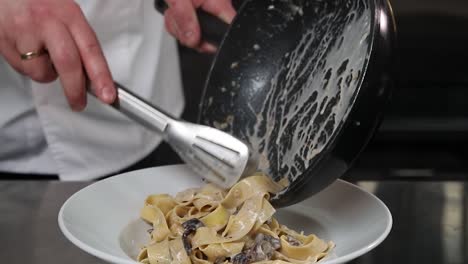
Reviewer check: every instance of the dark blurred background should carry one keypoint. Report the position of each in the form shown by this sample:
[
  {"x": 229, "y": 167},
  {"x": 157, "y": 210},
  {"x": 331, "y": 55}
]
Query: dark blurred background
[{"x": 425, "y": 131}]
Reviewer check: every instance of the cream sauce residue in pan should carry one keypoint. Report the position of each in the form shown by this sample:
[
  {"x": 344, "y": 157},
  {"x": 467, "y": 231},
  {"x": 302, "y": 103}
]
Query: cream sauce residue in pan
[{"x": 291, "y": 116}]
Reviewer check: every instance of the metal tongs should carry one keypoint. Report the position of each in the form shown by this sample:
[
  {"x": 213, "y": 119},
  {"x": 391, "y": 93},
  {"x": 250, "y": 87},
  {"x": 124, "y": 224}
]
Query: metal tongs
[{"x": 213, "y": 154}]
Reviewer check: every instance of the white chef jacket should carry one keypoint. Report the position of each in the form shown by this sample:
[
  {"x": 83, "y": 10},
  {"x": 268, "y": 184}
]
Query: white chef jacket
[{"x": 40, "y": 134}]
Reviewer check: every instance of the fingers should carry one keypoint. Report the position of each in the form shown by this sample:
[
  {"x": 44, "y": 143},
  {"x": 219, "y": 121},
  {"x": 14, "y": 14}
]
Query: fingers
[
  {"x": 222, "y": 9},
  {"x": 92, "y": 57},
  {"x": 181, "y": 20},
  {"x": 207, "y": 47},
  {"x": 23, "y": 38},
  {"x": 66, "y": 59},
  {"x": 74, "y": 51},
  {"x": 182, "y": 23},
  {"x": 39, "y": 68},
  {"x": 11, "y": 55},
  {"x": 204, "y": 47}
]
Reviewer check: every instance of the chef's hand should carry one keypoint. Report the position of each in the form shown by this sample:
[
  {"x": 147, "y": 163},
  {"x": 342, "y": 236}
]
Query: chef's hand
[
  {"x": 181, "y": 20},
  {"x": 60, "y": 28}
]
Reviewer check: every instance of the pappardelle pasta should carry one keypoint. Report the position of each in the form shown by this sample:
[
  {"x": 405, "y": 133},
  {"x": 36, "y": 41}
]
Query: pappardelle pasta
[{"x": 211, "y": 225}]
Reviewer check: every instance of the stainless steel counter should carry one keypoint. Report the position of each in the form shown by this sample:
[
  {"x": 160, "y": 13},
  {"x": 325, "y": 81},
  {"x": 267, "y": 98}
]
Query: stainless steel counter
[{"x": 430, "y": 223}]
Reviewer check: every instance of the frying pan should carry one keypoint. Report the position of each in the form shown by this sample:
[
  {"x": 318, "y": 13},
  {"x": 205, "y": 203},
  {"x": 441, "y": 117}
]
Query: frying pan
[{"x": 303, "y": 83}]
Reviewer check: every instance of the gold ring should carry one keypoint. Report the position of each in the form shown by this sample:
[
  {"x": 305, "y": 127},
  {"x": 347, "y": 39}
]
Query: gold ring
[{"x": 33, "y": 54}]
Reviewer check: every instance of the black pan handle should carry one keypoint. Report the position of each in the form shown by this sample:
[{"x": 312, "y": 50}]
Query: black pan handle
[{"x": 212, "y": 28}]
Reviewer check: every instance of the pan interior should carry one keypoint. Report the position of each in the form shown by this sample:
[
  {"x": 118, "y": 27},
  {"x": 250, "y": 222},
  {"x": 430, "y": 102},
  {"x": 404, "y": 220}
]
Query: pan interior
[{"x": 286, "y": 77}]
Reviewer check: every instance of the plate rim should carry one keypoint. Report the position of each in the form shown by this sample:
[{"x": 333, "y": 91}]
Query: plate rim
[
  {"x": 374, "y": 243},
  {"x": 111, "y": 258}
]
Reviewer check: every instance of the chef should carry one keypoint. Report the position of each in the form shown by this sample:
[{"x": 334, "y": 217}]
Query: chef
[{"x": 48, "y": 124}]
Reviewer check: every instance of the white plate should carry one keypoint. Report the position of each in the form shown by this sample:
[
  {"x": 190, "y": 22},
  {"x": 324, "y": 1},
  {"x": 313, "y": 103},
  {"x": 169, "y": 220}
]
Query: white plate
[{"x": 103, "y": 218}]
